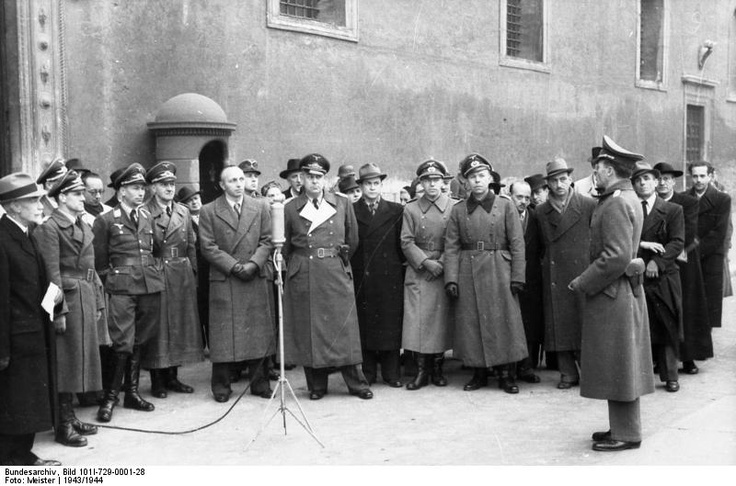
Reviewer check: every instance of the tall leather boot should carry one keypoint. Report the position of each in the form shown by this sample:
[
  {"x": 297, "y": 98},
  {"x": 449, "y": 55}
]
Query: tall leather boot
[
  {"x": 65, "y": 433},
  {"x": 132, "y": 376},
  {"x": 438, "y": 378},
  {"x": 506, "y": 381},
  {"x": 173, "y": 383},
  {"x": 110, "y": 398},
  {"x": 158, "y": 382},
  {"x": 422, "y": 378}
]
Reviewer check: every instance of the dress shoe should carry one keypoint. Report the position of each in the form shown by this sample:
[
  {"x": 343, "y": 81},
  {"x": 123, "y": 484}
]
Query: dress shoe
[
  {"x": 316, "y": 395},
  {"x": 689, "y": 368},
  {"x": 176, "y": 386},
  {"x": 222, "y": 396},
  {"x": 506, "y": 383},
  {"x": 479, "y": 380},
  {"x": 364, "y": 394},
  {"x": 672, "y": 386},
  {"x": 264, "y": 394},
  {"x": 611, "y": 445},
  {"x": 393, "y": 383},
  {"x": 601, "y": 436},
  {"x": 45, "y": 462},
  {"x": 530, "y": 378},
  {"x": 566, "y": 385},
  {"x": 83, "y": 428}
]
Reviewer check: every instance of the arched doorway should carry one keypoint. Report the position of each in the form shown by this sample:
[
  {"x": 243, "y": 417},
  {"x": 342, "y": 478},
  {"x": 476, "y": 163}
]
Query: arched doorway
[{"x": 211, "y": 162}]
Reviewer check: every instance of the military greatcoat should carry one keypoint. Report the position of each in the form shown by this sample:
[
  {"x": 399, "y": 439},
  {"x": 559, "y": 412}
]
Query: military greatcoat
[
  {"x": 179, "y": 338},
  {"x": 531, "y": 299},
  {"x": 320, "y": 318},
  {"x": 566, "y": 240},
  {"x": 616, "y": 355},
  {"x": 241, "y": 313},
  {"x": 484, "y": 253},
  {"x": 69, "y": 258},
  {"x": 428, "y": 316}
]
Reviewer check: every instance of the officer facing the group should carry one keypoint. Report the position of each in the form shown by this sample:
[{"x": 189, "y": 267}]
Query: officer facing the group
[
  {"x": 50, "y": 175},
  {"x": 134, "y": 279},
  {"x": 179, "y": 339}
]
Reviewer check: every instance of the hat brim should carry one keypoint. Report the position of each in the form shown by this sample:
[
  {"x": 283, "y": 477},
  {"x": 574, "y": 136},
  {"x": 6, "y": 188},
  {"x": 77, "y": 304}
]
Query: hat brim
[
  {"x": 476, "y": 169},
  {"x": 36, "y": 193},
  {"x": 188, "y": 197},
  {"x": 369, "y": 177},
  {"x": 558, "y": 172},
  {"x": 675, "y": 173},
  {"x": 640, "y": 173},
  {"x": 284, "y": 174}
]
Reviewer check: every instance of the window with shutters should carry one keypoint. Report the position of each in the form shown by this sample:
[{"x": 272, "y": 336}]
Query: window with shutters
[
  {"x": 652, "y": 44},
  {"x": 523, "y": 34},
  {"x": 330, "y": 18},
  {"x": 695, "y": 133}
]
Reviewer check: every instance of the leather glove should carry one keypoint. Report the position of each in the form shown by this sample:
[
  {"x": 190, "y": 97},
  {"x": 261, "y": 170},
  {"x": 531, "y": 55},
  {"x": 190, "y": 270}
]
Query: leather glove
[
  {"x": 451, "y": 290},
  {"x": 345, "y": 254},
  {"x": 60, "y": 324},
  {"x": 4, "y": 363},
  {"x": 516, "y": 287}
]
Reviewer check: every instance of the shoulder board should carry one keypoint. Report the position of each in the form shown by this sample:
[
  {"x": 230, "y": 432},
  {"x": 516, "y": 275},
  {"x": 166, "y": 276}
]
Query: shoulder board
[{"x": 617, "y": 193}]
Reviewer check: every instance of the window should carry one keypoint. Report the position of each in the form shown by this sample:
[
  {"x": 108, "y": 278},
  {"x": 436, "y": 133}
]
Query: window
[
  {"x": 732, "y": 59},
  {"x": 331, "y": 18},
  {"x": 695, "y": 133},
  {"x": 652, "y": 46},
  {"x": 523, "y": 34}
]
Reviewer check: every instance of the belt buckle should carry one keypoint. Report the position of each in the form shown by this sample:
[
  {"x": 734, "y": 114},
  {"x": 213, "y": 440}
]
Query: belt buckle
[
  {"x": 174, "y": 252},
  {"x": 90, "y": 274},
  {"x": 480, "y": 245},
  {"x": 320, "y": 252},
  {"x": 430, "y": 246}
]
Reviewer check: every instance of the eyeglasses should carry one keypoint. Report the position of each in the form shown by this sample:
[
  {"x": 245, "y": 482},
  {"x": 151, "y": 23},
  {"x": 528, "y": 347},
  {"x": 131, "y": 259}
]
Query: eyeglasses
[{"x": 95, "y": 192}]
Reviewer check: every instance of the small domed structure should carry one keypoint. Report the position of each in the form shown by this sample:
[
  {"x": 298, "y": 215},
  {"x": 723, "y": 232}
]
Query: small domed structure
[{"x": 191, "y": 110}]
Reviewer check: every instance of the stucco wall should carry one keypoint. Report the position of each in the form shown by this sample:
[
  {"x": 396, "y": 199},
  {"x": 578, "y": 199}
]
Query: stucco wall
[{"x": 423, "y": 80}]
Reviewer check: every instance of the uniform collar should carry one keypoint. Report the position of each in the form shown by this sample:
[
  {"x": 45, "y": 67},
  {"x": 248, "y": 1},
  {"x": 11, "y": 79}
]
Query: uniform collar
[{"x": 486, "y": 203}]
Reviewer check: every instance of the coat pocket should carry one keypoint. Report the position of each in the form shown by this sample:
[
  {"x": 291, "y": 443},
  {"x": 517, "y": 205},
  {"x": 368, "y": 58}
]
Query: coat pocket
[{"x": 119, "y": 280}]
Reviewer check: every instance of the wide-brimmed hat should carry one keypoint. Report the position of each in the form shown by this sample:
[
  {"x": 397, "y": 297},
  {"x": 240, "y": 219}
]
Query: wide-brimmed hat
[
  {"x": 291, "y": 166},
  {"x": 186, "y": 193},
  {"x": 613, "y": 152},
  {"x": 536, "y": 181},
  {"x": 69, "y": 182},
  {"x": 344, "y": 171},
  {"x": 161, "y": 172},
  {"x": 473, "y": 163},
  {"x": 665, "y": 168},
  {"x": 369, "y": 171},
  {"x": 557, "y": 167},
  {"x": 642, "y": 168},
  {"x": 347, "y": 184},
  {"x": 18, "y": 185},
  {"x": 115, "y": 174}
]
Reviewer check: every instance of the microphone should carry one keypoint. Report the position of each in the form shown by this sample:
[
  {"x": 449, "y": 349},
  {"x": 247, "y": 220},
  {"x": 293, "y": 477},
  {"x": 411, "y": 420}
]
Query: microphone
[{"x": 278, "y": 236}]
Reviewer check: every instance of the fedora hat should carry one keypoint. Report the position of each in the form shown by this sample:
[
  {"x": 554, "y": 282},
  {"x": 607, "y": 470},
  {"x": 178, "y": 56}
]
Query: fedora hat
[
  {"x": 557, "y": 167},
  {"x": 369, "y": 171},
  {"x": 347, "y": 183},
  {"x": 291, "y": 166},
  {"x": 665, "y": 168},
  {"x": 18, "y": 185},
  {"x": 536, "y": 181},
  {"x": 344, "y": 171},
  {"x": 186, "y": 193},
  {"x": 642, "y": 168}
]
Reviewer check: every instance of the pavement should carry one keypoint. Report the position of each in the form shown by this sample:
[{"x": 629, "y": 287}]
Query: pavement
[{"x": 541, "y": 426}]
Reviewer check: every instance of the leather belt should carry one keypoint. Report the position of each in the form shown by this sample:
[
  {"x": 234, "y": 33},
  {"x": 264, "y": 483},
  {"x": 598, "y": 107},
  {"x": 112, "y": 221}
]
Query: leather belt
[
  {"x": 318, "y": 252},
  {"x": 430, "y": 246},
  {"x": 482, "y": 246},
  {"x": 174, "y": 260},
  {"x": 88, "y": 275},
  {"x": 142, "y": 261}
]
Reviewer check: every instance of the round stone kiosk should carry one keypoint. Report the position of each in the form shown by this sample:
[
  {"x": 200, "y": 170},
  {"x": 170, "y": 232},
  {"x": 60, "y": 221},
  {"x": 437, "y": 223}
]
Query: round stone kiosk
[{"x": 193, "y": 132}]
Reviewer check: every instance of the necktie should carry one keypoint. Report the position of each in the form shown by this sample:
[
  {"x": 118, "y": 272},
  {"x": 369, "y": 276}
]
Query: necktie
[
  {"x": 79, "y": 223},
  {"x": 644, "y": 207},
  {"x": 315, "y": 202},
  {"x": 373, "y": 208},
  {"x": 168, "y": 211},
  {"x": 134, "y": 217},
  {"x": 236, "y": 206}
]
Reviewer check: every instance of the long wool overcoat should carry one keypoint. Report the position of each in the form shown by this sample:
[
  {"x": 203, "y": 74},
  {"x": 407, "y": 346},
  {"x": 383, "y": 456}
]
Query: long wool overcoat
[
  {"x": 488, "y": 326},
  {"x": 69, "y": 259},
  {"x": 320, "y": 318},
  {"x": 379, "y": 275},
  {"x": 27, "y": 390},
  {"x": 697, "y": 342},
  {"x": 665, "y": 225},
  {"x": 566, "y": 240},
  {"x": 531, "y": 299},
  {"x": 616, "y": 355},
  {"x": 428, "y": 316},
  {"x": 241, "y": 313},
  {"x": 179, "y": 338}
]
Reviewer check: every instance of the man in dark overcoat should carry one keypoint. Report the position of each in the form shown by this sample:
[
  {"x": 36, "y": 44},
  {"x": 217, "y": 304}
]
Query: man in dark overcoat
[
  {"x": 65, "y": 241},
  {"x": 428, "y": 316},
  {"x": 26, "y": 347},
  {"x": 124, "y": 258},
  {"x": 530, "y": 300},
  {"x": 616, "y": 354},
  {"x": 697, "y": 342},
  {"x": 179, "y": 339},
  {"x": 235, "y": 235},
  {"x": 714, "y": 215},
  {"x": 662, "y": 241},
  {"x": 293, "y": 176},
  {"x": 320, "y": 319},
  {"x": 565, "y": 223},
  {"x": 484, "y": 272},
  {"x": 379, "y": 278}
]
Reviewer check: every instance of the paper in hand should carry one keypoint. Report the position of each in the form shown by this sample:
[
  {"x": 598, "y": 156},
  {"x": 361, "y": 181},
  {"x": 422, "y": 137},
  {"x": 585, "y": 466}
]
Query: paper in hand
[{"x": 48, "y": 299}]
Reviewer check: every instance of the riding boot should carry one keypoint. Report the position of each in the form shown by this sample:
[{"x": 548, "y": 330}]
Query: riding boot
[
  {"x": 80, "y": 427},
  {"x": 422, "y": 378},
  {"x": 438, "y": 378},
  {"x": 65, "y": 433},
  {"x": 132, "y": 376},
  {"x": 173, "y": 383},
  {"x": 110, "y": 398},
  {"x": 158, "y": 382}
]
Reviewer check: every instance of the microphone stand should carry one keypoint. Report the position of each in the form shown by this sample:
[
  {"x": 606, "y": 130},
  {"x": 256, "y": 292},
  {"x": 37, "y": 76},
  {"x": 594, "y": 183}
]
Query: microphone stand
[{"x": 283, "y": 384}]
